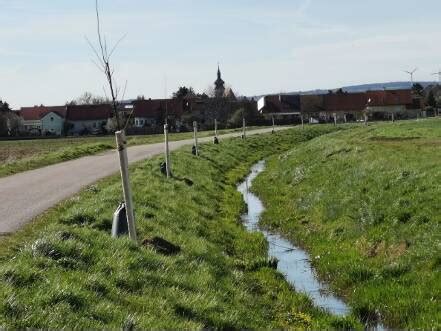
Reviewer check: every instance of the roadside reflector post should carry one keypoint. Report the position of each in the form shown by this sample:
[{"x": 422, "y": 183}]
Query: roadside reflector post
[
  {"x": 195, "y": 136},
  {"x": 244, "y": 130},
  {"x": 121, "y": 144},
  {"x": 167, "y": 152}
]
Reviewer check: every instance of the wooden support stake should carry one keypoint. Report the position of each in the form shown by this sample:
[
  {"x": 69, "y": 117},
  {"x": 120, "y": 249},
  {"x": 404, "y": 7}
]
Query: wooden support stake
[
  {"x": 195, "y": 135},
  {"x": 124, "y": 166},
  {"x": 243, "y": 129},
  {"x": 167, "y": 152},
  {"x": 272, "y": 118}
]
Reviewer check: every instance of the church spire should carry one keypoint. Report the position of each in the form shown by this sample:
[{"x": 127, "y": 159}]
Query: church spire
[
  {"x": 218, "y": 71},
  {"x": 219, "y": 87}
]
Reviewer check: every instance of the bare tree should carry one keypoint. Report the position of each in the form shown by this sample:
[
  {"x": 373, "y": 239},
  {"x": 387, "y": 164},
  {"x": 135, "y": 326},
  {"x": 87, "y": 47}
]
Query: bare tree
[
  {"x": 88, "y": 98},
  {"x": 103, "y": 57},
  {"x": 210, "y": 91}
]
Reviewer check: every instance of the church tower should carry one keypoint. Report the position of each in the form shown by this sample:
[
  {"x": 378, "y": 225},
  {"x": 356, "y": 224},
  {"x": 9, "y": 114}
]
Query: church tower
[{"x": 219, "y": 88}]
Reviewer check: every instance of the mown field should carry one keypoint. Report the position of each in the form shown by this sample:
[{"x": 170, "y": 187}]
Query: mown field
[
  {"x": 366, "y": 204},
  {"x": 21, "y": 155},
  {"x": 65, "y": 271}
]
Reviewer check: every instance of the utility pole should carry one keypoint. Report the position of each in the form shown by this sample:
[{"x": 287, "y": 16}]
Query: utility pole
[{"x": 439, "y": 75}]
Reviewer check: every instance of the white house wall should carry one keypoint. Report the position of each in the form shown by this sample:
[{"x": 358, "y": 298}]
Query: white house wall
[
  {"x": 52, "y": 123},
  {"x": 387, "y": 109}
]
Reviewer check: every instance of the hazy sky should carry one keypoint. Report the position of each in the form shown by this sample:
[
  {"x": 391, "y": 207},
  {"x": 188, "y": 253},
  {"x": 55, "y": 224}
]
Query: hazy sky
[{"x": 263, "y": 46}]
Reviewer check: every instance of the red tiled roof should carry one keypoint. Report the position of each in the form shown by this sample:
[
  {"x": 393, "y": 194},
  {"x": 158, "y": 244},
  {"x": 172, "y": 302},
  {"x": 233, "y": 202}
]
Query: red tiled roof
[
  {"x": 345, "y": 101},
  {"x": 389, "y": 97},
  {"x": 154, "y": 108},
  {"x": 282, "y": 103},
  {"x": 312, "y": 103},
  {"x": 89, "y": 112},
  {"x": 37, "y": 112}
]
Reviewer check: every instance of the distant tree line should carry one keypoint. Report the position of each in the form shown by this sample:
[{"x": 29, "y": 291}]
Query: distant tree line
[{"x": 9, "y": 121}]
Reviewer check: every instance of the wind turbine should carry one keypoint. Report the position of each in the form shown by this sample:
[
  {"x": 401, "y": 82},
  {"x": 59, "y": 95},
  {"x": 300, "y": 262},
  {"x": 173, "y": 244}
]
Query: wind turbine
[
  {"x": 411, "y": 74},
  {"x": 438, "y": 74}
]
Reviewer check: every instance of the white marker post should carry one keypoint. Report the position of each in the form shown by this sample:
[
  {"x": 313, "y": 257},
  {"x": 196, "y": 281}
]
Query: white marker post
[
  {"x": 124, "y": 166},
  {"x": 195, "y": 135},
  {"x": 215, "y": 128},
  {"x": 335, "y": 119},
  {"x": 244, "y": 131},
  {"x": 393, "y": 118},
  {"x": 167, "y": 152}
]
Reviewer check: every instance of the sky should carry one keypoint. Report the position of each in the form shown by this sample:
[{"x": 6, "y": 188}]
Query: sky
[{"x": 263, "y": 46}]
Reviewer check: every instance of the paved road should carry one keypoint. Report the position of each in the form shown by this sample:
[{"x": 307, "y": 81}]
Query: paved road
[{"x": 28, "y": 194}]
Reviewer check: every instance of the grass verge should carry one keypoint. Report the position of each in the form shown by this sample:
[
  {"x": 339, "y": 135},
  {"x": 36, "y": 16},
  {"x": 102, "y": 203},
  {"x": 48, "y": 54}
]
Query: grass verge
[
  {"x": 22, "y": 155},
  {"x": 64, "y": 270},
  {"x": 365, "y": 203}
]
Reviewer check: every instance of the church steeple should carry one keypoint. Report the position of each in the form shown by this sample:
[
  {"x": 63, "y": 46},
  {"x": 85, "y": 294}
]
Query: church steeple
[
  {"x": 219, "y": 88},
  {"x": 218, "y": 72}
]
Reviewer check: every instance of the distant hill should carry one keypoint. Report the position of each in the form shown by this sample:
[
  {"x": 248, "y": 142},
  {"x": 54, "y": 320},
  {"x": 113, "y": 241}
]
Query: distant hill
[{"x": 362, "y": 88}]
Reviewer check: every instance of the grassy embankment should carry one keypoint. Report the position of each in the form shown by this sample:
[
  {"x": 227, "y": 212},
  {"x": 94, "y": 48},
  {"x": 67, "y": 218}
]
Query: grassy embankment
[
  {"x": 366, "y": 204},
  {"x": 64, "y": 270},
  {"x": 21, "y": 155}
]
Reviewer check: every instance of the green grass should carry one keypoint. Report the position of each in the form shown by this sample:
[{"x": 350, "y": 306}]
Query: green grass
[
  {"x": 366, "y": 204},
  {"x": 22, "y": 155},
  {"x": 64, "y": 269}
]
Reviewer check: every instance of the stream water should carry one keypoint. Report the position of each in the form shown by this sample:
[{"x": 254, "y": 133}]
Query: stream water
[{"x": 294, "y": 262}]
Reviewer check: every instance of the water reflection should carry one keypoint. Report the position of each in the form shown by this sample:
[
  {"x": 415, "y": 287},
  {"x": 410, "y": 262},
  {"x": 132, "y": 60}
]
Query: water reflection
[{"x": 294, "y": 262}]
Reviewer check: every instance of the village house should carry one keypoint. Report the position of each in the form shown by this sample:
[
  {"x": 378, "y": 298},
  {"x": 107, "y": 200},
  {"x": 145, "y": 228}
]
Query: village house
[
  {"x": 312, "y": 106},
  {"x": 282, "y": 108},
  {"x": 88, "y": 119},
  {"x": 43, "y": 120},
  {"x": 150, "y": 115},
  {"x": 344, "y": 106},
  {"x": 389, "y": 103},
  {"x": 279, "y": 104}
]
